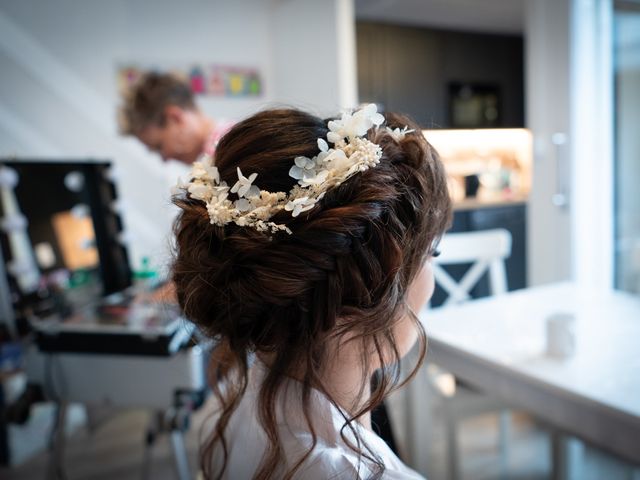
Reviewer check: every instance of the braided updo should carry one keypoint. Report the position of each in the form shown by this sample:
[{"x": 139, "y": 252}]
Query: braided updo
[{"x": 344, "y": 270}]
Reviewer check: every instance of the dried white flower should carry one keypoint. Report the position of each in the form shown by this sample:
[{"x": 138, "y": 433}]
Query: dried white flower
[
  {"x": 243, "y": 185},
  {"x": 399, "y": 134},
  {"x": 353, "y": 125},
  {"x": 200, "y": 191},
  {"x": 304, "y": 168},
  {"x": 299, "y": 205},
  {"x": 179, "y": 186}
]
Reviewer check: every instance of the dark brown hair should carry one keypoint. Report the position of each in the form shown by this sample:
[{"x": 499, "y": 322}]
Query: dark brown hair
[
  {"x": 344, "y": 270},
  {"x": 145, "y": 103}
]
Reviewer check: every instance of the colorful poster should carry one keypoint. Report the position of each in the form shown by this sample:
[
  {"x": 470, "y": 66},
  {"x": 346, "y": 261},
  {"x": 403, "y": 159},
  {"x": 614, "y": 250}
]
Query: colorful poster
[{"x": 213, "y": 80}]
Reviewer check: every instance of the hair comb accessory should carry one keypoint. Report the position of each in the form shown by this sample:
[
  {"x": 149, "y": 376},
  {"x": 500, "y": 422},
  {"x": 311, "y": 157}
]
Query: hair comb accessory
[{"x": 351, "y": 153}]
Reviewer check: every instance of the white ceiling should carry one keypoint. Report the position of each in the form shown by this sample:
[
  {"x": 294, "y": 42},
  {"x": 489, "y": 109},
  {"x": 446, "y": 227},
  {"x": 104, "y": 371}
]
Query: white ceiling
[{"x": 497, "y": 16}]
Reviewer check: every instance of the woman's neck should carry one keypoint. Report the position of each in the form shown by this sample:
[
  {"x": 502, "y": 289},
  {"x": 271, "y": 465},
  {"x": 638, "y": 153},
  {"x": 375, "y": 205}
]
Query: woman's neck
[{"x": 341, "y": 378}]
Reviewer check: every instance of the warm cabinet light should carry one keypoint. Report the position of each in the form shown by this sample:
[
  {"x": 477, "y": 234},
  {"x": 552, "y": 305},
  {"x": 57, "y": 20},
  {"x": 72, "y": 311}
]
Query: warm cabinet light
[{"x": 499, "y": 161}]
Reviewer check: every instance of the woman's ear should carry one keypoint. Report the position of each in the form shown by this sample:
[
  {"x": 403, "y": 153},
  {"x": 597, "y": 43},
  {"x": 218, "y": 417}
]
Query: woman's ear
[
  {"x": 174, "y": 114},
  {"x": 421, "y": 288}
]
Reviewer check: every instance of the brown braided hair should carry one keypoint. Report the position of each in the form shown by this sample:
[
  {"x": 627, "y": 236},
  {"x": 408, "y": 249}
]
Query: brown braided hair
[{"x": 344, "y": 271}]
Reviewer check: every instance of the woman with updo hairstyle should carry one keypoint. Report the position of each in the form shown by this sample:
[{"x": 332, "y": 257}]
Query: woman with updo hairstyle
[{"x": 307, "y": 305}]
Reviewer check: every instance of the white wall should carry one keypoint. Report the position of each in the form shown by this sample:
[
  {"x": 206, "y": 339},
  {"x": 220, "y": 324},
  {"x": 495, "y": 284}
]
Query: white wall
[
  {"x": 58, "y": 92},
  {"x": 315, "y": 40},
  {"x": 547, "y": 83}
]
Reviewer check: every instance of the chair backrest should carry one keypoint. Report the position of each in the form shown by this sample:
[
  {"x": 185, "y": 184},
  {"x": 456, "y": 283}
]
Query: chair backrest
[{"x": 485, "y": 250}]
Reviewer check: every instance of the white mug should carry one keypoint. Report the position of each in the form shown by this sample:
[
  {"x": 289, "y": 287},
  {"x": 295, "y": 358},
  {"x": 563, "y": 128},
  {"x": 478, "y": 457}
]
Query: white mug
[{"x": 561, "y": 341}]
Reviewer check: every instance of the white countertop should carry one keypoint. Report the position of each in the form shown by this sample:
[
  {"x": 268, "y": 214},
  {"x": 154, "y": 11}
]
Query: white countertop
[{"x": 477, "y": 203}]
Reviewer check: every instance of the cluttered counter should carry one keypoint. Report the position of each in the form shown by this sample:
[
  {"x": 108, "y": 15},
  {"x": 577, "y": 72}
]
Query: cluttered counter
[
  {"x": 486, "y": 167},
  {"x": 490, "y": 176}
]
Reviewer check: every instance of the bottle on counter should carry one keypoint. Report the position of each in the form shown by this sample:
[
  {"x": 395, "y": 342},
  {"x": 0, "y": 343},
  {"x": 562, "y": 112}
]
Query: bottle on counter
[{"x": 146, "y": 278}]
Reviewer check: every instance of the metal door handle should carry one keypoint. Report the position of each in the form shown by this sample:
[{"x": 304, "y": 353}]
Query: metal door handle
[{"x": 561, "y": 198}]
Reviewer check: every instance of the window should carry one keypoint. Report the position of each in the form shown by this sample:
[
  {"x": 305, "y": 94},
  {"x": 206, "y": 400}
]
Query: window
[{"x": 626, "y": 43}]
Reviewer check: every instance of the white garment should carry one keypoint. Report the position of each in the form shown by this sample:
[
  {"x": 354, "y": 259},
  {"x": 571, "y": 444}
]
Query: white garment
[{"x": 331, "y": 457}]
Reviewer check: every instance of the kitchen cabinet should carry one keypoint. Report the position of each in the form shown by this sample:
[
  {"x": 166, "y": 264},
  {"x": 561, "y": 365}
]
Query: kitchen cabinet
[{"x": 411, "y": 70}]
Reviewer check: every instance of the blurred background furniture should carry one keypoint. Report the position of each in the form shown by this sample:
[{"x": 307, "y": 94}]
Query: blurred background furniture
[
  {"x": 170, "y": 383},
  {"x": 84, "y": 334},
  {"x": 499, "y": 345},
  {"x": 486, "y": 251},
  {"x": 474, "y": 217}
]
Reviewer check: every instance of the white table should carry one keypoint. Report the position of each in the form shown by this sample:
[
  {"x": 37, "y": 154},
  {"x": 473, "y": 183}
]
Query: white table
[{"x": 499, "y": 346}]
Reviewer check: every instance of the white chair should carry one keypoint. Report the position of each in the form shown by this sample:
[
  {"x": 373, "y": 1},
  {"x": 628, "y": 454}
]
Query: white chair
[{"x": 486, "y": 251}]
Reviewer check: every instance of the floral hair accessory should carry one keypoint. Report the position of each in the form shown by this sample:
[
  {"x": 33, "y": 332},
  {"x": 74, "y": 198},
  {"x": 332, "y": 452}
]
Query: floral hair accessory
[
  {"x": 398, "y": 134},
  {"x": 351, "y": 153}
]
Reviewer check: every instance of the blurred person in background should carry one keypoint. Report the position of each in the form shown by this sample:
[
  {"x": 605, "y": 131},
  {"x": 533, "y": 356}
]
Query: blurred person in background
[{"x": 161, "y": 112}]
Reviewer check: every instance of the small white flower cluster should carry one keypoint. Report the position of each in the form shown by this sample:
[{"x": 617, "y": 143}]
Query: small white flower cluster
[
  {"x": 399, "y": 133},
  {"x": 254, "y": 207}
]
